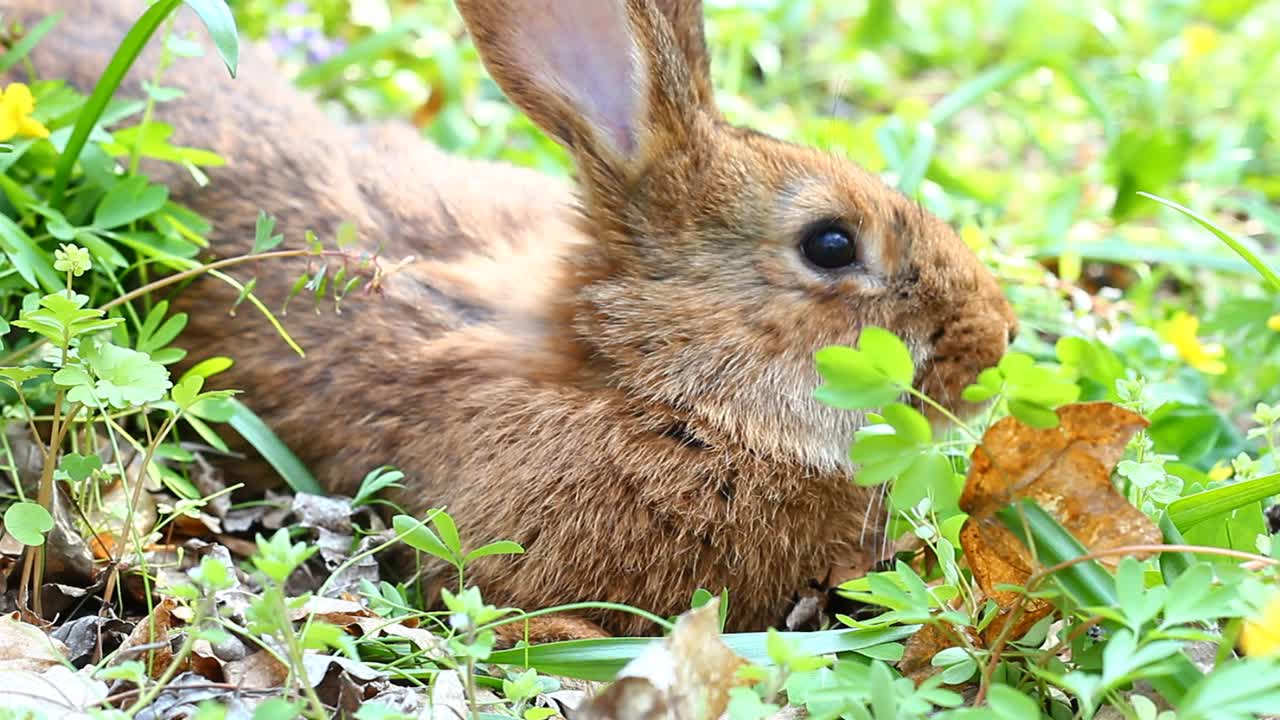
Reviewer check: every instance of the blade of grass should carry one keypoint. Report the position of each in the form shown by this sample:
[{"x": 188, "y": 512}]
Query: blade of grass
[
  {"x": 1230, "y": 240},
  {"x": 1193, "y": 509},
  {"x": 1117, "y": 250},
  {"x": 20, "y": 49},
  {"x": 136, "y": 39},
  {"x": 130, "y": 48},
  {"x": 1087, "y": 582},
  {"x": 600, "y": 660},
  {"x": 221, "y": 24},
  {"x": 1172, "y": 564},
  {"x": 972, "y": 91},
  {"x": 273, "y": 449}
]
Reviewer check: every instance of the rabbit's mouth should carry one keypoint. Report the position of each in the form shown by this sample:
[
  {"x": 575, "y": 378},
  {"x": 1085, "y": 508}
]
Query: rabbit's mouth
[{"x": 959, "y": 350}]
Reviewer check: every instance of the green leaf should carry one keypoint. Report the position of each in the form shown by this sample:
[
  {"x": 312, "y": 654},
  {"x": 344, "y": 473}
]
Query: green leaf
[
  {"x": 419, "y": 537},
  {"x": 1034, "y": 415},
  {"x": 263, "y": 239},
  {"x": 16, "y": 376},
  {"x": 448, "y": 532},
  {"x": 1227, "y": 238},
  {"x": 1173, "y": 564},
  {"x": 27, "y": 522},
  {"x": 103, "y": 90},
  {"x": 977, "y": 87},
  {"x": 1236, "y": 689},
  {"x": 889, "y": 355},
  {"x": 1009, "y": 703},
  {"x": 29, "y": 40},
  {"x": 957, "y": 666},
  {"x": 184, "y": 394},
  {"x": 374, "y": 482},
  {"x": 272, "y": 449},
  {"x": 846, "y": 397},
  {"x": 277, "y": 709},
  {"x": 221, "y": 24},
  {"x": 31, "y": 262},
  {"x": 501, "y": 547},
  {"x": 209, "y": 367},
  {"x": 930, "y": 475},
  {"x": 131, "y": 199},
  {"x": 123, "y": 378},
  {"x": 908, "y": 424},
  {"x": 79, "y": 467},
  {"x": 1193, "y": 509},
  {"x": 600, "y": 660}
]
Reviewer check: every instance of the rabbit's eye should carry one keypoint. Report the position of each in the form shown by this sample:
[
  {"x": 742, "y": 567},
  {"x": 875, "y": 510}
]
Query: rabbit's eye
[{"x": 829, "y": 248}]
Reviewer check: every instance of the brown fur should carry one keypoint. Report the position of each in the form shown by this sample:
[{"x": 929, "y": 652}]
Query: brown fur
[{"x": 620, "y": 382}]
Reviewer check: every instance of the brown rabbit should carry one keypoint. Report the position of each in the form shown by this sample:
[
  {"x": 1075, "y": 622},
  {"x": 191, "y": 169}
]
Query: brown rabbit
[{"x": 620, "y": 379}]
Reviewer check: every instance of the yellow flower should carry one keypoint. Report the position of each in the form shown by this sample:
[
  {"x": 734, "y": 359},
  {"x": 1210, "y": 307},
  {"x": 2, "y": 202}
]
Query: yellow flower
[
  {"x": 1273, "y": 322},
  {"x": 1180, "y": 331},
  {"x": 16, "y": 106},
  {"x": 1261, "y": 635},
  {"x": 1220, "y": 471},
  {"x": 1199, "y": 40}
]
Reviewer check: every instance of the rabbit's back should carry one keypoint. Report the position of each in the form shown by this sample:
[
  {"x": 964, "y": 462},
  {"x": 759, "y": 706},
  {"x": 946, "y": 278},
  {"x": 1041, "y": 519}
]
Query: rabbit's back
[{"x": 467, "y": 246}]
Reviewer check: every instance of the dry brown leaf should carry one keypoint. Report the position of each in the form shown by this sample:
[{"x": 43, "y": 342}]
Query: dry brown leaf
[
  {"x": 1067, "y": 471},
  {"x": 259, "y": 671},
  {"x": 26, "y": 648},
  {"x": 686, "y": 675},
  {"x": 153, "y": 633}
]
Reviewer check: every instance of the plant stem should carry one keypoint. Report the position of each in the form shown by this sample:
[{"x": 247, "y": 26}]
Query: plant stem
[
  {"x": 955, "y": 420},
  {"x": 665, "y": 624},
  {"x": 296, "y": 666},
  {"x": 135, "y": 153},
  {"x": 188, "y": 645}
]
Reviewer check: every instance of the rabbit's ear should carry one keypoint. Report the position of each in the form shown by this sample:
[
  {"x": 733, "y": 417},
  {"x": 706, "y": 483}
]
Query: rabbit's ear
[
  {"x": 603, "y": 77},
  {"x": 686, "y": 21}
]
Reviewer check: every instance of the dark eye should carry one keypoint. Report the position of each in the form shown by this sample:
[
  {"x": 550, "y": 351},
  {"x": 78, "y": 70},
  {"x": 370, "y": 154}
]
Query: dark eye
[{"x": 829, "y": 248}]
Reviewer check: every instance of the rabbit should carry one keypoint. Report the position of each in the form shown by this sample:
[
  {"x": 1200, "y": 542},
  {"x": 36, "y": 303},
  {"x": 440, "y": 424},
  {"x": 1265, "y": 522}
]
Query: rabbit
[{"x": 616, "y": 373}]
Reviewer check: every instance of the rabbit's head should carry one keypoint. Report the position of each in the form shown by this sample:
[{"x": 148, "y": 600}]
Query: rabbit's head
[{"x": 722, "y": 258}]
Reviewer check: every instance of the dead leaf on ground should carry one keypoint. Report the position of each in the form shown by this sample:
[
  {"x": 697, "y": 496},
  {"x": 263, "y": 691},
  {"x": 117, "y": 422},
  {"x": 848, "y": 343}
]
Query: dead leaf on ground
[
  {"x": 917, "y": 655},
  {"x": 685, "y": 675},
  {"x": 26, "y": 648},
  {"x": 183, "y": 697},
  {"x": 83, "y": 635},
  {"x": 55, "y": 692},
  {"x": 448, "y": 698},
  {"x": 150, "y": 642},
  {"x": 259, "y": 671},
  {"x": 1067, "y": 471}
]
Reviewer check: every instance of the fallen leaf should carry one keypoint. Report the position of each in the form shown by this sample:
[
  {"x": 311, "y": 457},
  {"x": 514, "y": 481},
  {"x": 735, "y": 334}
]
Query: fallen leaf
[
  {"x": 321, "y": 511},
  {"x": 56, "y": 692},
  {"x": 150, "y": 640},
  {"x": 448, "y": 698},
  {"x": 182, "y": 697},
  {"x": 688, "y": 674},
  {"x": 259, "y": 671},
  {"x": 1067, "y": 471},
  {"x": 26, "y": 648},
  {"x": 919, "y": 650},
  {"x": 82, "y": 636}
]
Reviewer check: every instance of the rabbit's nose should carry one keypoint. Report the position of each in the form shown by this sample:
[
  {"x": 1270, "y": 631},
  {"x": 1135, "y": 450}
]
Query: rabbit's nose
[{"x": 1013, "y": 332}]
